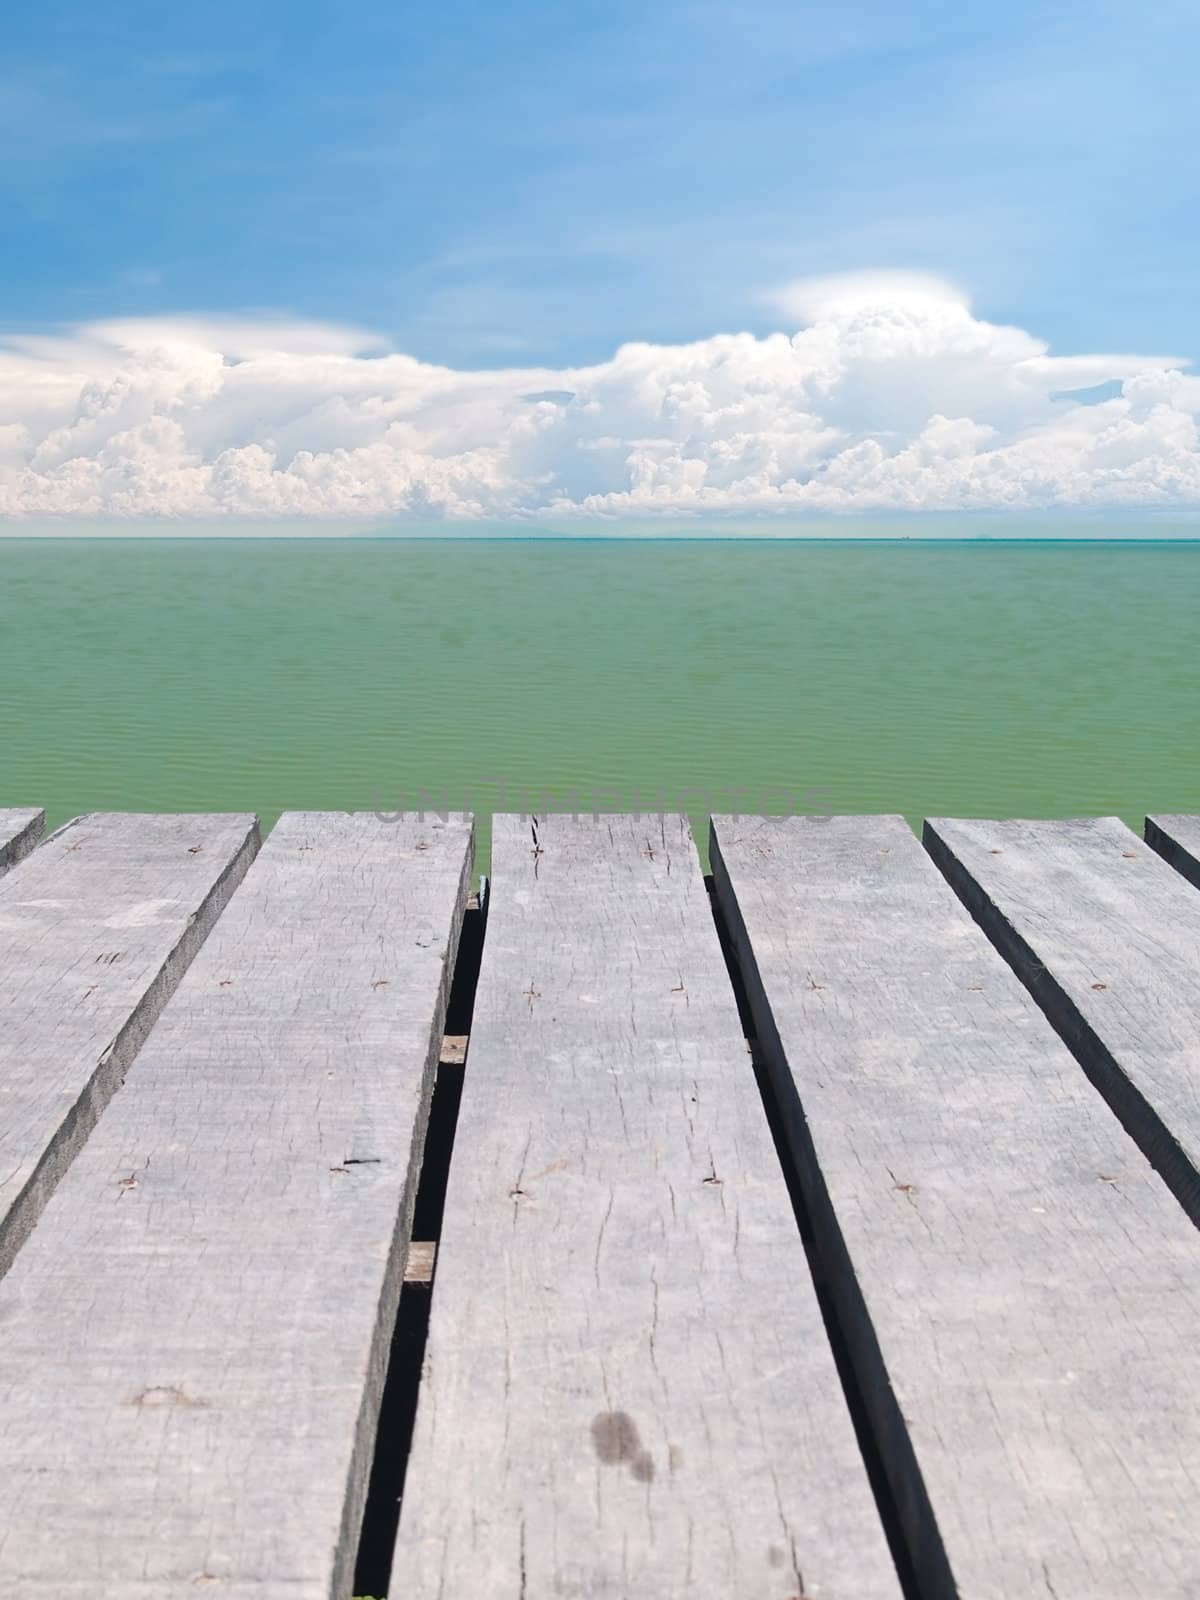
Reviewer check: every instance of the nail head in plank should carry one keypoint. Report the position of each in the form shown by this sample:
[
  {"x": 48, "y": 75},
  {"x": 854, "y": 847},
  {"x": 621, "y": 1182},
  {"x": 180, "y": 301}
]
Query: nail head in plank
[
  {"x": 628, "y": 1389},
  {"x": 96, "y": 928},
  {"x": 1177, "y": 841},
  {"x": 1018, "y": 1291},
  {"x": 1107, "y": 937},
  {"x": 20, "y": 830},
  {"x": 195, "y": 1336}
]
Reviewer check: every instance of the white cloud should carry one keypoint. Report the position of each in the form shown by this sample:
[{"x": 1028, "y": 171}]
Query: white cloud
[
  {"x": 892, "y": 396},
  {"x": 845, "y": 295}
]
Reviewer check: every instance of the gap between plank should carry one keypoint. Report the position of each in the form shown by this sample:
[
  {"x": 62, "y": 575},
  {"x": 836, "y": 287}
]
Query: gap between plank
[
  {"x": 1172, "y": 852},
  {"x": 398, "y": 1408}
]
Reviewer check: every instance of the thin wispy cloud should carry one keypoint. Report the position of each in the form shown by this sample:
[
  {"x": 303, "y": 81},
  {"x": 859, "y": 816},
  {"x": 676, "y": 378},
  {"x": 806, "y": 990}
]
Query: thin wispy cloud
[{"x": 892, "y": 394}]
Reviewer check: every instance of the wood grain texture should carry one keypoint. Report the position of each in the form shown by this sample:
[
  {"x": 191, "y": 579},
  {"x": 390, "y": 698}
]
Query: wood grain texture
[
  {"x": 20, "y": 830},
  {"x": 1018, "y": 1291},
  {"x": 1106, "y": 936},
  {"x": 1177, "y": 840},
  {"x": 628, "y": 1389},
  {"x": 96, "y": 929},
  {"x": 193, "y": 1341}
]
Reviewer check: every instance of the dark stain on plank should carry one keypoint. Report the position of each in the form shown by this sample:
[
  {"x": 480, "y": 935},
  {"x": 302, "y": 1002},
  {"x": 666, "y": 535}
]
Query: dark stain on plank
[{"x": 616, "y": 1441}]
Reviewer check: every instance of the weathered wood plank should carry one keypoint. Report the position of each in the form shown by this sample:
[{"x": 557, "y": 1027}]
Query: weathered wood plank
[
  {"x": 419, "y": 1264},
  {"x": 1018, "y": 1292},
  {"x": 628, "y": 1389},
  {"x": 1107, "y": 939},
  {"x": 20, "y": 830},
  {"x": 96, "y": 929},
  {"x": 1177, "y": 840},
  {"x": 195, "y": 1337}
]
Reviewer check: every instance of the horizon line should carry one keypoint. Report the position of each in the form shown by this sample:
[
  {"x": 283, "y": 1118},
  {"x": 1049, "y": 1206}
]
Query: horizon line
[{"x": 599, "y": 538}]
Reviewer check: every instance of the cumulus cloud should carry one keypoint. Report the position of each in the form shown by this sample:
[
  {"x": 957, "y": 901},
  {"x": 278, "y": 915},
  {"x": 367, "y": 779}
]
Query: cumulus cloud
[{"x": 892, "y": 395}]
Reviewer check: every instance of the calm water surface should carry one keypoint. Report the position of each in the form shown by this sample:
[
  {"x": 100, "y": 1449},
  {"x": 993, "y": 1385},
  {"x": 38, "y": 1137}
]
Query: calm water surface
[{"x": 925, "y": 678}]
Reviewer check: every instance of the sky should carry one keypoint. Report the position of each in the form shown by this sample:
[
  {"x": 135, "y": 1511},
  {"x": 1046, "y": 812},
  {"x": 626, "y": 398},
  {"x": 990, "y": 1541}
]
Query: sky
[{"x": 524, "y": 191}]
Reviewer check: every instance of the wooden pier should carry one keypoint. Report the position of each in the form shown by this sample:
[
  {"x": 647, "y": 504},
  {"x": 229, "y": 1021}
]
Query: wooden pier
[{"x": 825, "y": 1230}]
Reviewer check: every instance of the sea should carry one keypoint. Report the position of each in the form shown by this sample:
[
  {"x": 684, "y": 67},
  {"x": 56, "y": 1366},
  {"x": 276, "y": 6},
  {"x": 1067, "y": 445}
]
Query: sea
[{"x": 1026, "y": 676}]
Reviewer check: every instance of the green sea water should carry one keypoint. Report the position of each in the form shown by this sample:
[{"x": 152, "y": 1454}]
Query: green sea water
[{"x": 969, "y": 678}]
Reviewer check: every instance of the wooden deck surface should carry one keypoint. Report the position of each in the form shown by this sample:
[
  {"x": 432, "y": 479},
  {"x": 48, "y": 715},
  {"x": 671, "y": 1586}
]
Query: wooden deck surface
[
  {"x": 627, "y": 1386},
  {"x": 895, "y": 1297},
  {"x": 975, "y": 1204}
]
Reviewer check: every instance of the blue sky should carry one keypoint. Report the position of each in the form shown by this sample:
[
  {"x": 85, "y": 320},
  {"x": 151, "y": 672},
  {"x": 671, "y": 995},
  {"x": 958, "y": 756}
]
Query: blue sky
[{"x": 535, "y": 183}]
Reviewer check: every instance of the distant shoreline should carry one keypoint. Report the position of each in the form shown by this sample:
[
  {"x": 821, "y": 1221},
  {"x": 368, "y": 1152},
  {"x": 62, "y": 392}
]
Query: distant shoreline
[{"x": 292, "y": 535}]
